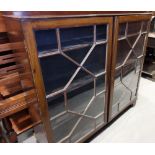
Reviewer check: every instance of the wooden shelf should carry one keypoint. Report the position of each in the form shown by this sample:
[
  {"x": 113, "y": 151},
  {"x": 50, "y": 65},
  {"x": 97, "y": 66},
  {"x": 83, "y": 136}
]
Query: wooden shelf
[
  {"x": 123, "y": 37},
  {"x": 86, "y": 80},
  {"x": 49, "y": 52},
  {"x": 75, "y": 85},
  {"x": 55, "y": 51}
]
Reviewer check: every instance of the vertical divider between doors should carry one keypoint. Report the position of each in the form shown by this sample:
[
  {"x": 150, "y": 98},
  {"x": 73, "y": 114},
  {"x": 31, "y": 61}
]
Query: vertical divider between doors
[
  {"x": 113, "y": 62},
  {"x": 108, "y": 69}
]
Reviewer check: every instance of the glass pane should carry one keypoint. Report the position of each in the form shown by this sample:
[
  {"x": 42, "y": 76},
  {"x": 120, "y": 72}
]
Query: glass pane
[
  {"x": 96, "y": 60},
  {"x": 101, "y": 31},
  {"x": 134, "y": 27},
  {"x": 128, "y": 76},
  {"x": 122, "y": 52},
  {"x": 56, "y": 71},
  {"x": 115, "y": 110},
  {"x": 97, "y": 106},
  {"x": 152, "y": 26},
  {"x": 46, "y": 40},
  {"x": 139, "y": 46},
  {"x": 76, "y": 35},
  {"x": 124, "y": 97},
  {"x": 145, "y": 24},
  {"x": 132, "y": 39},
  {"x": 121, "y": 93},
  {"x": 82, "y": 78},
  {"x": 79, "y": 99},
  {"x": 100, "y": 84},
  {"x": 122, "y": 28},
  {"x": 130, "y": 63},
  {"x": 84, "y": 126},
  {"x": 100, "y": 120},
  {"x": 78, "y": 54},
  {"x": 63, "y": 125},
  {"x": 125, "y": 100},
  {"x": 117, "y": 76},
  {"x": 56, "y": 105},
  {"x": 138, "y": 65}
]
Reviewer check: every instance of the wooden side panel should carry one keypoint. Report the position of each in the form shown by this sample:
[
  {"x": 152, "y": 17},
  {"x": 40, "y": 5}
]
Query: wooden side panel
[
  {"x": 18, "y": 100},
  {"x": 17, "y": 43},
  {"x": 2, "y": 24}
]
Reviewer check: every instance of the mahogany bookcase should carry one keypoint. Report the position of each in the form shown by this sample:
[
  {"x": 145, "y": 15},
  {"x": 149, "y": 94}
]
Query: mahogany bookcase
[{"x": 86, "y": 67}]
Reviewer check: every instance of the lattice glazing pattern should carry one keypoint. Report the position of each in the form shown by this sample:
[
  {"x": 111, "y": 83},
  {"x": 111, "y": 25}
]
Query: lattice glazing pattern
[
  {"x": 74, "y": 73},
  {"x": 130, "y": 53}
]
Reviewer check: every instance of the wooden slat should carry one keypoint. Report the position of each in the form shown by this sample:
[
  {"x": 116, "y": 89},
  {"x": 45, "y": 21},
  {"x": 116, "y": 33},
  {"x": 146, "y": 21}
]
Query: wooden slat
[
  {"x": 7, "y": 58},
  {"x": 11, "y": 46},
  {"x": 2, "y": 24},
  {"x": 17, "y": 103},
  {"x": 13, "y": 83},
  {"x": 10, "y": 85},
  {"x": 10, "y": 69},
  {"x": 26, "y": 80}
]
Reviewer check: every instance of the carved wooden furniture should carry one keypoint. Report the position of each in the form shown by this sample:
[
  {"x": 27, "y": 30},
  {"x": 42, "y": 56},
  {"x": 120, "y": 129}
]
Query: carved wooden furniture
[
  {"x": 85, "y": 66},
  {"x": 17, "y": 93}
]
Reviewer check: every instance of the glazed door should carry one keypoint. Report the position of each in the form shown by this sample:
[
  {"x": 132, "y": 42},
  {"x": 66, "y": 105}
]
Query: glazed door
[
  {"x": 73, "y": 57},
  {"x": 129, "y": 46}
]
